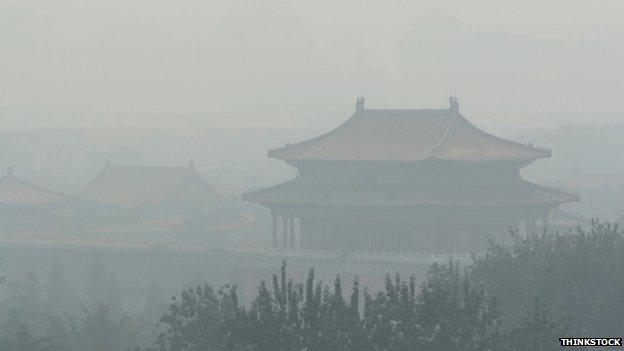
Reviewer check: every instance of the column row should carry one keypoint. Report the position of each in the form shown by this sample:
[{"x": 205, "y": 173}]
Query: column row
[{"x": 285, "y": 231}]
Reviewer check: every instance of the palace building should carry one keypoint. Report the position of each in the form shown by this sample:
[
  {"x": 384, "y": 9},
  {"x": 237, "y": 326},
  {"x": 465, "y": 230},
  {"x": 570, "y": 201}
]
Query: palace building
[
  {"x": 163, "y": 190},
  {"x": 414, "y": 181},
  {"x": 24, "y": 205}
]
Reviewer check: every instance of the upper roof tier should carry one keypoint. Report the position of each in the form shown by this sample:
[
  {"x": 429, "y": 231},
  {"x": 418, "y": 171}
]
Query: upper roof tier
[{"x": 408, "y": 136}]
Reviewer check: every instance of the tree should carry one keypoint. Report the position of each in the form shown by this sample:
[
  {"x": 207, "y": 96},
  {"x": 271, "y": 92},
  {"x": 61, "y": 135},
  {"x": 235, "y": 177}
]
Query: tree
[
  {"x": 537, "y": 330},
  {"x": 98, "y": 330},
  {"x": 56, "y": 290},
  {"x": 456, "y": 314},
  {"x": 154, "y": 301},
  {"x": 114, "y": 303},
  {"x": 148, "y": 320},
  {"x": 24, "y": 341},
  {"x": 579, "y": 275},
  {"x": 96, "y": 283},
  {"x": 450, "y": 313},
  {"x": 24, "y": 305},
  {"x": 56, "y": 337},
  {"x": 195, "y": 319}
]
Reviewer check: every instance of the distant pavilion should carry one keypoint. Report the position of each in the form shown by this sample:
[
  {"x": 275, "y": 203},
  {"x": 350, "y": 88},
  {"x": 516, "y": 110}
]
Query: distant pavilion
[
  {"x": 23, "y": 204},
  {"x": 418, "y": 181},
  {"x": 164, "y": 190}
]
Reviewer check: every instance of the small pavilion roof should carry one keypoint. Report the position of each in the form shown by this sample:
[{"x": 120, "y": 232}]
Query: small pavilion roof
[
  {"x": 502, "y": 195},
  {"x": 408, "y": 136},
  {"x": 15, "y": 191}
]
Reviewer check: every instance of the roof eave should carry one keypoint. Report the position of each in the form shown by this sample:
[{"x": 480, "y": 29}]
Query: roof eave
[{"x": 293, "y": 161}]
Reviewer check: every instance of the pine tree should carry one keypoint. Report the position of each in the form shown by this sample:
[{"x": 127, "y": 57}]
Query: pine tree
[
  {"x": 99, "y": 331},
  {"x": 25, "y": 304},
  {"x": 154, "y": 308},
  {"x": 57, "y": 294},
  {"x": 56, "y": 337},
  {"x": 114, "y": 303},
  {"x": 154, "y": 301},
  {"x": 32, "y": 289},
  {"x": 24, "y": 341},
  {"x": 96, "y": 283}
]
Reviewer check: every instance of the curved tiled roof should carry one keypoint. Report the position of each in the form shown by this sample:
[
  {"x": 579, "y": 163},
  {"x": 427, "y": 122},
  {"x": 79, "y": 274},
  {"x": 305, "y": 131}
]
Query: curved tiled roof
[
  {"x": 408, "y": 136},
  {"x": 132, "y": 187},
  {"x": 15, "y": 191},
  {"x": 499, "y": 195}
]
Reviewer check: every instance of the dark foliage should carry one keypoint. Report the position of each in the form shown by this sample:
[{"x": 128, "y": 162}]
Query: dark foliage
[
  {"x": 449, "y": 313},
  {"x": 580, "y": 275}
]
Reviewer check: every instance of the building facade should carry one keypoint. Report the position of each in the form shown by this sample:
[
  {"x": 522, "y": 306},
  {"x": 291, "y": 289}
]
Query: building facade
[{"x": 414, "y": 181}]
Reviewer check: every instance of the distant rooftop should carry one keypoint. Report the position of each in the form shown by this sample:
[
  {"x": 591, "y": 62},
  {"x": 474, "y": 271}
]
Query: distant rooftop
[
  {"x": 132, "y": 187},
  {"x": 15, "y": 191},
  {"x": 408, "y": 136}
]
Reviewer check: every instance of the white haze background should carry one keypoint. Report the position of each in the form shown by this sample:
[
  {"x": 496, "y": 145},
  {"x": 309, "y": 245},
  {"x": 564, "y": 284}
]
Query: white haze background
[
  {"x": 159, "y": 82},
  {"x": 256, "y": 63}
]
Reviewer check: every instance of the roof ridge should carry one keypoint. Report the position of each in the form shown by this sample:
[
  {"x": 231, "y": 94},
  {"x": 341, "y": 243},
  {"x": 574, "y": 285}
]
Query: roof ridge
[
  {"x": 150, "y": 166},
  {"x": 507, "y": 141},
  {"x": 271, "y": 152},
  {"x": 406, "y": 109},
  {"x": 444, "y": 135}
]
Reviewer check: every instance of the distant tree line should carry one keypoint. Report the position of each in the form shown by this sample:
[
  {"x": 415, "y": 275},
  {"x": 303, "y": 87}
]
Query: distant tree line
[
  {"x": 522, "y": 297},
  {"x": 50, "y": 317},
  {"x": 448, "y": 312}
]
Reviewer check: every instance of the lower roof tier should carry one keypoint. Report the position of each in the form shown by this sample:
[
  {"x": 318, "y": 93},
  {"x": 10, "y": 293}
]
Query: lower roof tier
[{"x": 500, "y": 195}]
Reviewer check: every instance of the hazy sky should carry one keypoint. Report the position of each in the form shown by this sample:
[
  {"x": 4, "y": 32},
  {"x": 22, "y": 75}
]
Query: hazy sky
[{"x": 295, "y": 62}]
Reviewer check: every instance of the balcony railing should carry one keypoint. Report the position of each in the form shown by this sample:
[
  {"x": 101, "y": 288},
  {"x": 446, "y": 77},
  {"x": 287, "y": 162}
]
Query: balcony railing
[{"x": 384, "y": 256}]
